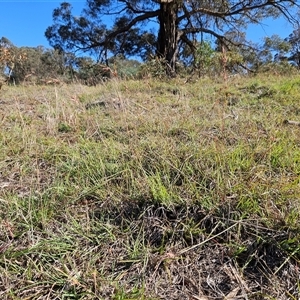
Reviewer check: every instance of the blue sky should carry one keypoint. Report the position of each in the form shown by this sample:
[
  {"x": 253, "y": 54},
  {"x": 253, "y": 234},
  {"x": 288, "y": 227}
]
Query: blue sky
[{"x": 24, "y": 22}]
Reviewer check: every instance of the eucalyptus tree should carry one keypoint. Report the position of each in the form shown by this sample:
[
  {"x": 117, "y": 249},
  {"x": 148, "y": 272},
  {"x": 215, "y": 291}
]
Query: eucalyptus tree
[
  {"x": 18, "y": 64},
  {"x": 156, "y": 27},
  {"x": 294, "y": 41}
]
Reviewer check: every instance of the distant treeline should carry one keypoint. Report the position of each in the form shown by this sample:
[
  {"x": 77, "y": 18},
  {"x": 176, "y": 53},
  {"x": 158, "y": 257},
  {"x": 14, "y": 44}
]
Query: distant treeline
[{"x": 40, "y": 65}]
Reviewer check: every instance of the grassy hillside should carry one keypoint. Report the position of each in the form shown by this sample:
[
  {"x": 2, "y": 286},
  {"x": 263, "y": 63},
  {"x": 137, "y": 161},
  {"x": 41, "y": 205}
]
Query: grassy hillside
[{"x": 151, "y": 190}]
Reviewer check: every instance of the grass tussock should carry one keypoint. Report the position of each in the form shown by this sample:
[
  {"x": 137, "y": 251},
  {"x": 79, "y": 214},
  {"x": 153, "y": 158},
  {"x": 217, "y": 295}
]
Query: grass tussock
[{"x": 151, "y": 190}]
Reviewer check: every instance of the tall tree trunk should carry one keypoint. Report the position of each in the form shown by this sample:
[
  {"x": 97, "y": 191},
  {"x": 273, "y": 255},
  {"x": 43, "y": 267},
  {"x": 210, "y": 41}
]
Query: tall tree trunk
[{"x": 168, "y": 35}]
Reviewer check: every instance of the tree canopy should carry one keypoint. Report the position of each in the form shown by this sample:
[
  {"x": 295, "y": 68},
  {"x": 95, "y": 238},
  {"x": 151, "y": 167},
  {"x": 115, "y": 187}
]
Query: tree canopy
[
  {"x": 162, "y": 28},
  {"x": 294, "y": 41}
]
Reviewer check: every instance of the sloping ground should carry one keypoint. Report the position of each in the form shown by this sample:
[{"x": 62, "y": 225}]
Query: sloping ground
[{"x": 148, "y": 190}]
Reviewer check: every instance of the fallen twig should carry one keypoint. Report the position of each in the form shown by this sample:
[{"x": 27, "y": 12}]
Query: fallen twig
[{"x": 290, "y": 122}]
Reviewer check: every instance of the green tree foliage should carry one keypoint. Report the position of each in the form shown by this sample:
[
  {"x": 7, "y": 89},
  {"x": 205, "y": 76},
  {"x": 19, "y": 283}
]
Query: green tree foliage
[
  {"x": 179, "y": 24},
  {"x": 270, "y": 56},
  {"x": 278, "y": 45},
  {"x": 34, "y": 64},
  {"x": 40, "y": 64},
  {"x": 294, "y": 41},
  {"x": 204, "y": 58},
  {"x": 90, "y": 73},
  {"x": 233, "y": 52}
]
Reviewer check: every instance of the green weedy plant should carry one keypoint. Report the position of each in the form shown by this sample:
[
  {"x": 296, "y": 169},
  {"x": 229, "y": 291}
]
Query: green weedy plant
[
  {"x": 64, "y": 128},
  {"x": 158, "y": 190},
  {"x": 205, "y": 58},
  {"x": 135, "y": 293},
  {"x": 154, "y": 68}
]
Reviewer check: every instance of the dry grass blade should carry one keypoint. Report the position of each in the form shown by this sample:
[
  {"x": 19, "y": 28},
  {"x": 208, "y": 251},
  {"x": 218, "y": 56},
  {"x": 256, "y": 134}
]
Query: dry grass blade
[
  {"x": 233, "y": 294},
  {"x": 200, "y": 297},
  {"x": 207, "y": 240}
]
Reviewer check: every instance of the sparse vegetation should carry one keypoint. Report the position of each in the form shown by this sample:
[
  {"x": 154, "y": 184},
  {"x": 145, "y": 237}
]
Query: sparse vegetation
[{"x": 166, "y": 191}]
